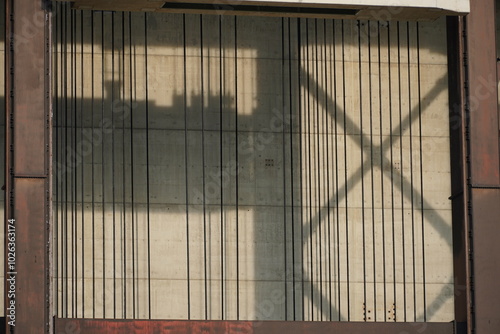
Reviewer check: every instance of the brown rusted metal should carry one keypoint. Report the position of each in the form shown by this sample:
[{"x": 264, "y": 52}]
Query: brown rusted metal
[
  {"x": 30, "y": 213},
  {"x": 8, "y": 140},
  {"x": 244, "y": 327},
  {"x": 28, "y": 133},
  {"x": 486, "y": 265},
  {"x": 483, "y": 166},
  {"x": 455, "y": 29}
]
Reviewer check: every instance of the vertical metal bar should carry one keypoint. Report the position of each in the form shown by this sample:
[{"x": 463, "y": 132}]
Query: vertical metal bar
[
  {"x": 305, "y": 145},
  {"x": 346, "y": 186},
  {"x": 147, "y": 162},
  {"x": 83, "y": 163},
  {"x": 284, "y": 165},
  {"x": 331, "y": 125},
  {"x": 92, "y": 22},
  {"x": 328, "y": 167},
  {"x": 67, "y": 154},
  {"x": 186, "y": 164},
  {"x": 362, "y": 159},
  {"x": 66, "y": 161},
  {"x": 124, "y": 181},
  {"x": 132, "y": 185},
  {"x": 317, "y": 168},
  {"x": 137, "y": 252},
  {"x": 113, "y": 194},
  {"x": 49, "y": 236},
  {"x": 78, "y": 169},
  {"x": 422, "y": 212},
  {"x": 292, "y": 175},
  {"x": 310, "y": 159},
  {"x": 59, "y": 168},
  {"x": 336, "y": 154},
  {"x": 62, "y": 157},
  {"x": 237, "y": 168},
  {"x": 325, "y": 247},
  {"x": 103, "y": 183},
  {"x": 370, "y": 94},
  {"x": 411, "y": 172},
  {"x": 301, "y": 185},
  {"x": 382, "y": 192},
  {"x": 74, "y": 176},
  {"x": 221, "y": 119},
  {"x": 309, "y": 169},
  {"x": 205, "y": 265},
  {"x": 391, "y": 140},
  {"x": 401, "y": 166}
]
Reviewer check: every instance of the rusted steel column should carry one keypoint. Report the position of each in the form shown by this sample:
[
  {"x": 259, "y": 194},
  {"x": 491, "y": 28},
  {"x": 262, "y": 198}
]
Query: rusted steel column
[
  {"x": 483, "y": 158},
  {"x": 28, "y": 166},
  {"x": 455, "y": 37}
]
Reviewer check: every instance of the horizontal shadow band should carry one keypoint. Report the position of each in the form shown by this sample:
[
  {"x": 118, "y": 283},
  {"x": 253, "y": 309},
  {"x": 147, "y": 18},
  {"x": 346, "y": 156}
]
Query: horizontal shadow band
[{"x": 262, "y": 9}]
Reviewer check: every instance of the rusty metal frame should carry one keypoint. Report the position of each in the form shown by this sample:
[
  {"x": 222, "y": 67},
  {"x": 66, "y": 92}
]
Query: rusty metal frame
[
  {"x": 475, "y": 175},
  {"x": 483, "y": 172},
  {"x": 245, "y": 327},
  {"x": 28, "y": 166},
  {"x": 119, "y": 326},
  {"x": 475, "y": 157},
  {"x": 456, "y": 56}
]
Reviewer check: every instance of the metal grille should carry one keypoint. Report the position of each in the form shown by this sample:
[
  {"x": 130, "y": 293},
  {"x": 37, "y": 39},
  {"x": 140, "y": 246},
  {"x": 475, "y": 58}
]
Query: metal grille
[{"x": 212, "y": 167}]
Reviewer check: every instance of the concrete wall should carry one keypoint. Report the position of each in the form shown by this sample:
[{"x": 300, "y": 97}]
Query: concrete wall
[{"x": 327, "y": 214}]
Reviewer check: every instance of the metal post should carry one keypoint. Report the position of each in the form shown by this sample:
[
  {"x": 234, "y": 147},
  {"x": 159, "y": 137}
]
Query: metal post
[
  {"x": 456, "y": 79},
  {"x": 483, "y": 167},
  {"x": 28, "y": 166}
]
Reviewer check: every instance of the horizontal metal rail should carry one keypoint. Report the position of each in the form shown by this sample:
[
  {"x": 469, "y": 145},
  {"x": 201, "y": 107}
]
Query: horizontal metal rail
[{"x": 245, "y": 327}]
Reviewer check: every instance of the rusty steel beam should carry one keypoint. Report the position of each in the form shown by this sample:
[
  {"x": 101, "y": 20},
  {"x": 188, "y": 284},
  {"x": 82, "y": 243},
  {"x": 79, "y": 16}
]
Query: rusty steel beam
[
  {"x": 483, "y": 157},
  {"x": 483, "y": 103},
  {"x": 244, "y": 327},
  {"x": 461, "y": 269},
  {"x": 28, "y": 166}
]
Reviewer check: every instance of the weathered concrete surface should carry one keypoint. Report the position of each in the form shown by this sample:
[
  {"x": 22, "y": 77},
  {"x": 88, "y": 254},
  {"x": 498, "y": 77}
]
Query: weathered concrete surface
[{"x": 309, "y": 158}]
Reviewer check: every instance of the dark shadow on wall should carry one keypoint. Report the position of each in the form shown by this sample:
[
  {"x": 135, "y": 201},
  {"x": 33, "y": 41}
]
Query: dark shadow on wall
[{"x": 274, "y": 144}]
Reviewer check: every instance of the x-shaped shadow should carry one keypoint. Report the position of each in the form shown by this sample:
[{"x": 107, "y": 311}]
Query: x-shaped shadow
[{"x": 323, "y": 98}]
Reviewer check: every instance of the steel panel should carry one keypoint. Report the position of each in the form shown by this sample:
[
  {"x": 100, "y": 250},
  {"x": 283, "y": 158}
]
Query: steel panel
[
  {"x": 30, "y": 213},
  {"x": 486, "y": 270},
  {"x": 483, "y": 103},
  {"x": 29, "y": 90},
  {"x": 244, "y": 327}
]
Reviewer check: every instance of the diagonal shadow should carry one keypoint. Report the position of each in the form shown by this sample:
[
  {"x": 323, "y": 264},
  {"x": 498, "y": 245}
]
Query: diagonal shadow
[
  {"x": 356, "y": 177},
  {"x": 322, "y": 97}
]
